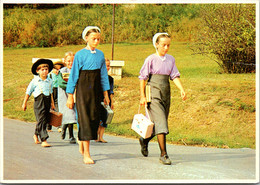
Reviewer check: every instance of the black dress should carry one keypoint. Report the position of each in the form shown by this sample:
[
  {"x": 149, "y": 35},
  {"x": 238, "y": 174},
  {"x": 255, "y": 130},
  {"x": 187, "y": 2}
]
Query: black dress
[{"x": 88, "y": 98}]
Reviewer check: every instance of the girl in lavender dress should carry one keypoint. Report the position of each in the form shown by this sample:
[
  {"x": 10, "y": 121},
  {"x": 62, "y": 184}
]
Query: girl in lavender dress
[{"x": 157, "y": 69}]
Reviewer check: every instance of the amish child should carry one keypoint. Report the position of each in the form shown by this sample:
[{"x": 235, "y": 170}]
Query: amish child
[
  {"x": 89, "y": 73},
  {"x": 69, "y": 115},
  {"x": 158, "y": 68},
  {"x": 57, "y": 65},
  {"x": 103, "y": 125},
  {"x": 41, "y": 87}
]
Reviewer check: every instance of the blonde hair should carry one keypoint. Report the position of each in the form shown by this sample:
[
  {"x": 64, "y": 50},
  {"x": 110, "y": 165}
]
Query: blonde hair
[
  {"x": 107, "y": 60},
  {"x": 67, "y": 54}
]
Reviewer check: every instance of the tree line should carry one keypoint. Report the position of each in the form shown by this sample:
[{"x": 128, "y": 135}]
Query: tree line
[{"x": 223, "y": 30}]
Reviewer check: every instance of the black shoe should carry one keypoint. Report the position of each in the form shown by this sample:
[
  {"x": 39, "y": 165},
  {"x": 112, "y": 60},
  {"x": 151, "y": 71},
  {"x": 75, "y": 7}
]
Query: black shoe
[
  {"x": 72, "y": 140},
  {"x": 144, "y": 147},
  {"x": 165, "y": 160},
  {"x": 63, "y": 134}
]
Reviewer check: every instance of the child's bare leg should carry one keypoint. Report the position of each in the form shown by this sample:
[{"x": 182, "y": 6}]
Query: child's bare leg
[
  {"x": 101, "y": 133},
  {"x": 45, "y": 144},
  {"x": 81, "y": 147},
  {"x": 36, "y": 140},
  {"x": 87, "y": 158},
  {"x": 98, "y": 134}
]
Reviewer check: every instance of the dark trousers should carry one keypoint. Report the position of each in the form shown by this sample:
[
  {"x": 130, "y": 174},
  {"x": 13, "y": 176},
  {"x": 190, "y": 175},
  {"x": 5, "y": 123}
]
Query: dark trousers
[
  {"x": 42, "y": 106},
  {"x": 55, "y": 98}
]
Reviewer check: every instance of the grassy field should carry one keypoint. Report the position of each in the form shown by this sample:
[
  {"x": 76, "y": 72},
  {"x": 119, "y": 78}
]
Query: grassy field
[{"x": 219, "y": 111}]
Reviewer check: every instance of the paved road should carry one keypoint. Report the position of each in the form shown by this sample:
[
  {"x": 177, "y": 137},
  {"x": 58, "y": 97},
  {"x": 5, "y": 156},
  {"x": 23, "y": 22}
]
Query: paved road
[{"x": 119, "y": 159}]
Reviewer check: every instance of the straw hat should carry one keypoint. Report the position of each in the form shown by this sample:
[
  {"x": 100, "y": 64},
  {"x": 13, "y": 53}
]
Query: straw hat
[
  {"x": 57, "y": 61},
  {"x": 39, "y": 62}
]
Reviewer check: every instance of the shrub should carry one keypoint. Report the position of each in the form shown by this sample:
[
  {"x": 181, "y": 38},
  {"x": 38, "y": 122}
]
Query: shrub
[{"x": 228, "y": 33}]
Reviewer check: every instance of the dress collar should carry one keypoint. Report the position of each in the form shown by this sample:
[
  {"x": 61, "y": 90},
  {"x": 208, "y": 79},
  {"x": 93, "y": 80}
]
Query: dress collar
[
  {"x": 163, "y": 58},
  {"x": 91, "y": 51}
]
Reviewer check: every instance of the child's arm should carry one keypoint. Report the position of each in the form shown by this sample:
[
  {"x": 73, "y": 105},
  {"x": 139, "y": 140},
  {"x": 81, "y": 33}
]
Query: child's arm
[
  {"x": 25, "y": 102},
  {"x": 178, "y": 83},
  {"x": 52, "y": 102},
  {"x": 106, "y": 98},
  {"x": 70, "y": 101},
  {"x": 142, "y": 93},
  {"x": 61, "y": 83},
  {"x": 112, "y": 101}
]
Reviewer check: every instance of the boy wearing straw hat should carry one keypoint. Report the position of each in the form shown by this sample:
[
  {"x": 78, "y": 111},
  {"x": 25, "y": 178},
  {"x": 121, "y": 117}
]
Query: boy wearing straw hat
[
  {"x": 57, "y": 65},
  {"x": 41, "y": 88}
]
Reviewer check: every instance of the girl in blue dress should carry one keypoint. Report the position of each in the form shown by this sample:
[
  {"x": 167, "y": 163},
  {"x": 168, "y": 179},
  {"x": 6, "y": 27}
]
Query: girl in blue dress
[{"x": 89, "y": 75}]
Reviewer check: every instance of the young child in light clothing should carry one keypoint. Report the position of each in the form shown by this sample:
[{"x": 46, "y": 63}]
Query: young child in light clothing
[
  {"x": 57, "y": 65},
  {"x": 41, "y": 88},
  {"x": 69, "y": 115}
]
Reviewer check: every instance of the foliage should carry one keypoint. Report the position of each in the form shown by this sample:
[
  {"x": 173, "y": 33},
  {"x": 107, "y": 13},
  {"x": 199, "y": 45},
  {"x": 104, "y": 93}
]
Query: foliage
[
  {"x": 28, "y": 26},
  {"x": 229, "y": 34}
]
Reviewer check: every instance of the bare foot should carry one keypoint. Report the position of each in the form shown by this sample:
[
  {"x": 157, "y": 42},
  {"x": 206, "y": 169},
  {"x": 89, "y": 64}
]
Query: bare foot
[
  {"x": 36, "y": 140},
  {"x": 97, "y": 140},
  {"x": 45, "y": 144},
  {"x": 49, "y": 130},
  {"x": 81, "y": 148},
  {"x": 102, "y": 141},
  {"x": 88, "y": 160}
]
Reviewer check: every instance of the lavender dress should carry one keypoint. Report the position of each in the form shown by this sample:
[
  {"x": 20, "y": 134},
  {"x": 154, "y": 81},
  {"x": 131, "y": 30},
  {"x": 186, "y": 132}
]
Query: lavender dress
[{"x": 158, "y": 70}]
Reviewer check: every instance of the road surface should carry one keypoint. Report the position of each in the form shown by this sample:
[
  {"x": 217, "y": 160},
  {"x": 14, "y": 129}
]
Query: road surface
[{"x": 119, "y": 160}]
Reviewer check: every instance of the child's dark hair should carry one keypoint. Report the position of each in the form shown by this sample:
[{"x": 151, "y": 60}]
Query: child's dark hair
[
  {"x": 92, "y": 31},
  {"x": 162, "y": 36}
]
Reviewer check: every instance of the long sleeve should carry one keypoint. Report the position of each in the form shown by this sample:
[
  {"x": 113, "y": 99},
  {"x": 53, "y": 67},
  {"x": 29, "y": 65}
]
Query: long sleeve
[{"x": 104, "y": 76}]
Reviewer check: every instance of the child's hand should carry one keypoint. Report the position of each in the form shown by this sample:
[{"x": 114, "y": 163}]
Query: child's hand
[
  {"x": 143, "y": 101},
  {"x": 52, "y": 106},
  {"x": 24, "y": 107},
  {"x": 183, "y": 95},
  {"x": 106, "y": 100}
]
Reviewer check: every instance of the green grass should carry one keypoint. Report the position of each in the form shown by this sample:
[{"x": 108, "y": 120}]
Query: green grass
[{"x": 219, "y": 111}]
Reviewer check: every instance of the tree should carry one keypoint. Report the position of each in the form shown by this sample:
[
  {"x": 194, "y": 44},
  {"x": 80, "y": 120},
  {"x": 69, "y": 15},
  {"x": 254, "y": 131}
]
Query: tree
[{"x": 228, "y": 34}]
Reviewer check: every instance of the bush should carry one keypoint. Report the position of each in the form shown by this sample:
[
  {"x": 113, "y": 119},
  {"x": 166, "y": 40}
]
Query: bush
[{"x": 228, "y": 33}]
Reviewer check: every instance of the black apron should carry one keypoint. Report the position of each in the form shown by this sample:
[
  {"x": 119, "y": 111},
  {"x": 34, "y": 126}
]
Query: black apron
[
  {"x": 159, "y": 107},
  {"x": 88, "y": 98}
]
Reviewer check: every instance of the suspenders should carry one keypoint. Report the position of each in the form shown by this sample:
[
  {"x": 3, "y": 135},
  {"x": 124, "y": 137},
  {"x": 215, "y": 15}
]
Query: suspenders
[{"x": 41, "y": 87}]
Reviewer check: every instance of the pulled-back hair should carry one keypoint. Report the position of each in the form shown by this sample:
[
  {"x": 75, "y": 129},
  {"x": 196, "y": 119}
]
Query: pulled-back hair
[
  {"x": 92, "y": 31},
  {"x": 162, "y": 36}
]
